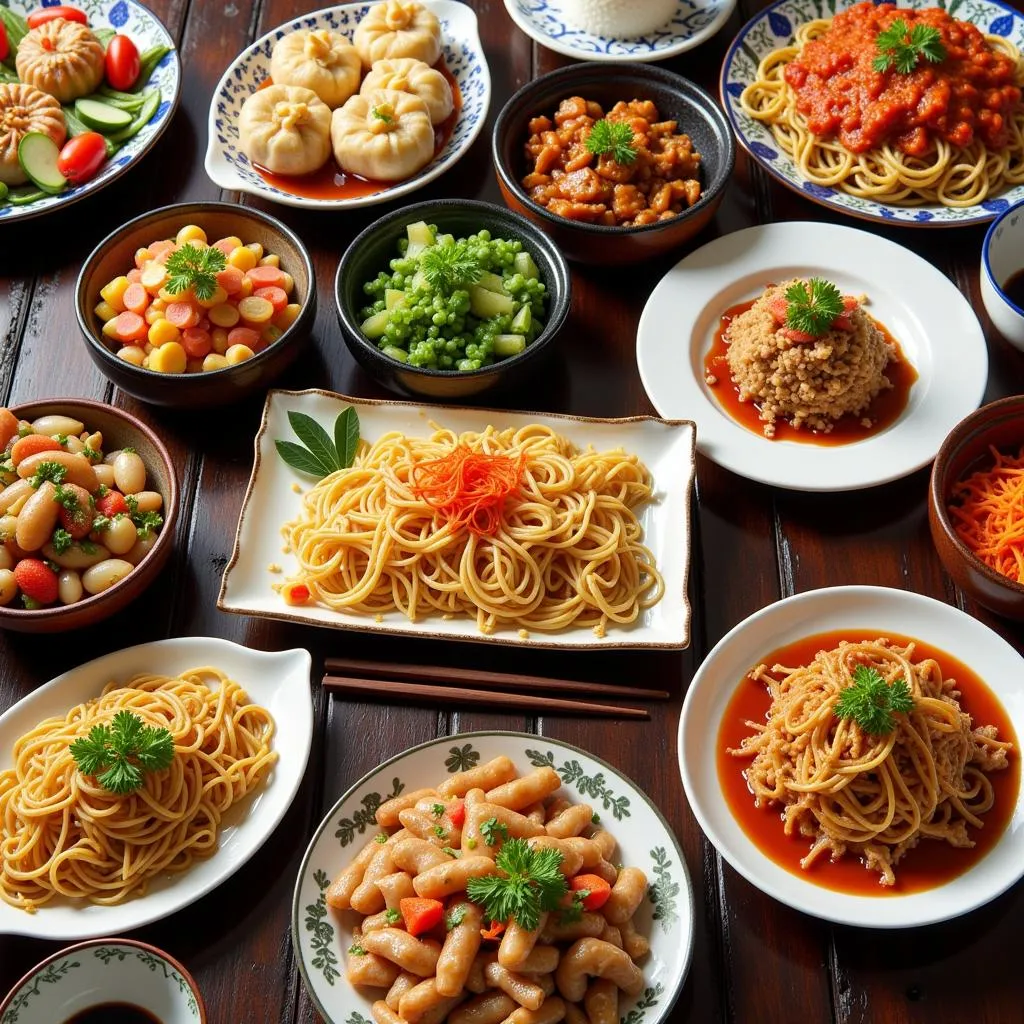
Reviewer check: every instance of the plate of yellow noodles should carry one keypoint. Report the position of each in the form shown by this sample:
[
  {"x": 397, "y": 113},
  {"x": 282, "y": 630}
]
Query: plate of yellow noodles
[
  {"x": 855, "y": 752},
  {"x": 521, "y": 528},
  {"x": 134, "y": 784}
]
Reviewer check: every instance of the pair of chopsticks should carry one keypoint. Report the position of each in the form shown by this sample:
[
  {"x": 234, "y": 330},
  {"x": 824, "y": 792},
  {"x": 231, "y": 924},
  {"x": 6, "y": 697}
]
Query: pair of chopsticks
[{"x": 438, "y": 685}]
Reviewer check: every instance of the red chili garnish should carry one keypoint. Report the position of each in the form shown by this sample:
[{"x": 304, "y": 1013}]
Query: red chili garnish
[
  {"x": 296, "y": 593},
  {"x": 492, "y": 932},
  {"x": 468, "y": 488}
]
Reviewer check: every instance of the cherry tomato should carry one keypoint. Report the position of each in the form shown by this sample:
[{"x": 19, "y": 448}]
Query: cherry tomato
[
  {"x": 5, "y": 47},
  {"x": 122, "y": 63},
  {"x": 82, "y": 157},
  {"x": 45, "y": 14}
]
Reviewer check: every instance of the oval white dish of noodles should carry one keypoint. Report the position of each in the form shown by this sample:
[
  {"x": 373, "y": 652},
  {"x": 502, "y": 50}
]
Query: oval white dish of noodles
[
  {"x": 634, "y": 535},
  {"x": 275, "y": 681},
  {"x": 861, "y": 611}
]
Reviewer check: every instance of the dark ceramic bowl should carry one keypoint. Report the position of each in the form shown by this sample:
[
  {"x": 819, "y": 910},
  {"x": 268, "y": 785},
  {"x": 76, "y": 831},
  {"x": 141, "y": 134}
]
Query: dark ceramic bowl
[
  {"x": 966, "y": 450},
  {"x": 676, "y": 98},
  {"x": 371, "y": 253},
  {"x": 120, "y": 430},
  {"x": 115, "y": 255}
]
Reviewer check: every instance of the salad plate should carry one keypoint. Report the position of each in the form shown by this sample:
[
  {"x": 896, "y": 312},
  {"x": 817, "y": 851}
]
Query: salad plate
[
  {"x": 146, "y": 30},
  {"x": 274, "y": 497},
  {"x": 321, "y": 935},
  {"x": 463, "y": 55},
  {"x": 937, "y": 331},
  {"x": 774, "y": 27},
  {"x": 277, "y": 680},
  {"x": 882, "y": 612},
  {"x": 693, "y": 22}
]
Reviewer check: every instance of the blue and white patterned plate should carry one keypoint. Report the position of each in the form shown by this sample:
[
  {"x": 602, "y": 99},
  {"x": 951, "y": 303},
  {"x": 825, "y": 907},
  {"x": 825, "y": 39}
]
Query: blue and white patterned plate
[
  {"x": 321, "y": 935},
  {"x": 229, "y": 167},
  {"x": 775, "y": 27},
  {"x": 146, "y": 31},
  {"x": 545, "y": 22}
]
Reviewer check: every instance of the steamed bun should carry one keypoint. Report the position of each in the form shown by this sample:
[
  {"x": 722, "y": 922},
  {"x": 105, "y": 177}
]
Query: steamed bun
[
  {"x": 398, "y": 28},
  {"x": 384, "y": 135},
  {"x": 406, "y": 74},
  {"x": 286, "y": 129},
  {"x": 62, "y": 58},
  {"x": 321, "y": 60}
]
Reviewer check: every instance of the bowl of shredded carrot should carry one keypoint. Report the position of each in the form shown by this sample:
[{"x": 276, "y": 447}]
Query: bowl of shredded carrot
[{"x": 976, "y": 506}]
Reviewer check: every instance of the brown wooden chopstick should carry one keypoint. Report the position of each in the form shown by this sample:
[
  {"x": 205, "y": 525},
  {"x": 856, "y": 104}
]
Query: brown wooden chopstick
[
  {"x": 435, "y": 674},
  {"x": 392, "y": 689}
]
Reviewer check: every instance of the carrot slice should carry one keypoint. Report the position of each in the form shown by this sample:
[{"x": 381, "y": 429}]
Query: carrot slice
[
  {"x": 597, "y": 889},
  {"x": 136, "y": 298},
  {"x": 420, "y": 915},
  {"x": 277, "y": 297},
  {"x": 130, "y": 326},
  {"x": 266, "y": 277},
  {"x": 196, "y": 342},
  {"x": 182, "y": 314},
  {"x": 244, "y": 336},
  {"x": 32, "y": 444},
  {"x": 230, "y": 279},
  {"x": 8, "y": 427}
]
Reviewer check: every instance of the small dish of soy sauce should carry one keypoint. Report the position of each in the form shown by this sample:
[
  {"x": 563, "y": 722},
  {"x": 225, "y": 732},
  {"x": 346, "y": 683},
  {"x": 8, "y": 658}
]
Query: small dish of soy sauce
[{"x": 107, "y": 981}]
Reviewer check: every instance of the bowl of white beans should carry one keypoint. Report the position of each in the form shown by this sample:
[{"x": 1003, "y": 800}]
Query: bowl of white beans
[{"x": 88, "y": 507}]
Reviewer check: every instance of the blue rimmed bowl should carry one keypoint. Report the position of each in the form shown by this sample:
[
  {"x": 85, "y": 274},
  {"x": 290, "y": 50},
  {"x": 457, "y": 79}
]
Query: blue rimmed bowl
[
  {"x": 146, "y": 30},
  {"x": 463, "y": 54},
  {"x": 775, "y": 27},
  {"x": 1002, "y": 257}
]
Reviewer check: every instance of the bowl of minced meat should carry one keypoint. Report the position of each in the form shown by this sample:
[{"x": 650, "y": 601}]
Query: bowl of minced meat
[{"x": 811, "y": 381}]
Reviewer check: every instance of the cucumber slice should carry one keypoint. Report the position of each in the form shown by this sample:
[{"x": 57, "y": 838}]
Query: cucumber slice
[
  {"x": 419, "y": 232},
  {"x": 396, "y": 353},
  {"x": 508, "y": 344},
  {"x": 524, "y": 265},
  {"x": 414, "y": 249},
  {"x": 492, "y": 282},
  {"x": 522, "y": 321},
  {"x": 102, "y": 116},
  {"x": 373, "y": 326},
  {"x": 38, "y": 155},
  {"x": 486, "y": 304},
  {"x": 393, "y": 297}
]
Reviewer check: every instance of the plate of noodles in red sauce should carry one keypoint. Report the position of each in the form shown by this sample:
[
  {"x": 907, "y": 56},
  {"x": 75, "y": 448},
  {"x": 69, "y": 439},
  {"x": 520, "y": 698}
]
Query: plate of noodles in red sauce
[
  {"x": 865, "y": 766},
  {"x": 908, "y": 114}
]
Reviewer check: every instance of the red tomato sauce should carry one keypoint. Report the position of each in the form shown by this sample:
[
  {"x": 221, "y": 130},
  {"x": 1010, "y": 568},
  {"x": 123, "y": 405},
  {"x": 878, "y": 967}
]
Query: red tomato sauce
[{"x": 969, "y": 94}]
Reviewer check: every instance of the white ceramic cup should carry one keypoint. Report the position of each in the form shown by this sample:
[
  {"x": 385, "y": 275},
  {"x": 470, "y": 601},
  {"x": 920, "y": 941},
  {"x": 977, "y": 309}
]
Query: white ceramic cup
[{"x": 1002, "y": 256}]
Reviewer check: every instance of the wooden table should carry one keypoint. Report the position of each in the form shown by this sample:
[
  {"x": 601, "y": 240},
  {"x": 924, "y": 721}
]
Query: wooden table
[{"x": 755, "y": 960}]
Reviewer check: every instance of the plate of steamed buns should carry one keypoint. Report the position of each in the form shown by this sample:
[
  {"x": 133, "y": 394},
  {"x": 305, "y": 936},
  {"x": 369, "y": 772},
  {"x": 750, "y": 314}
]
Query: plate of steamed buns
[{"x": 351, "y": 105}]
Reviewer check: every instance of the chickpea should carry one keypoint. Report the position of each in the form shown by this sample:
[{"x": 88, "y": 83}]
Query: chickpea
[
  {"x": 120, "y": 535},
  {"x": 148, "y": 501},
  {"x": 129, "y": 472},
  {"x": 8, "y": 586},
  {"x": 103, "y": 575},
  {"x": 69, "y": 587}
]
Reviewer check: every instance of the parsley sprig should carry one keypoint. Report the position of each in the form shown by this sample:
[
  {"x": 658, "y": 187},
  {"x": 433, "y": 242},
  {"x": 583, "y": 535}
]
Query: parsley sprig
[
  {"x": 322, "y": 454},
  {"x": 871, "y": 702},
  {"x": 902, "y": 48},
  {"x": 614, "y": 139},
  {"x": 530, "y": 883},
  {"x": 494, "y": 831},
  {"x": 447, "y": 267},
  {"x": 813, "y": 307},
  {"x": 195, "y": 268},
  {"x": 119, "y": 754}
]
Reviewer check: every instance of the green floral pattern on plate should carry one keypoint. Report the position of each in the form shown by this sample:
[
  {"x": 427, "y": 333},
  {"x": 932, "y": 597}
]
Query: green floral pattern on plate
[
  {"x": 50, "y": 975},
  {"x": 365, "y": 816},
  {"x": 593, "y": 786},
  {"x": 321, "y": 932}
]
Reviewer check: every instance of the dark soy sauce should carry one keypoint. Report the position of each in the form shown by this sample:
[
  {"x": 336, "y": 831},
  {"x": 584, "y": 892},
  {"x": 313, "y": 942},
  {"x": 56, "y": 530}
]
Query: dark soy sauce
[
  {"x": 113, "y": 1013},
  {"x": 1014, "y": 289}
]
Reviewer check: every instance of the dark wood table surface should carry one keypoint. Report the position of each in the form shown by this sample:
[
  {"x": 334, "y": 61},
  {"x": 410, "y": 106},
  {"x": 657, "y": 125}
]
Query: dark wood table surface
[{"x": 755, "y": 960}]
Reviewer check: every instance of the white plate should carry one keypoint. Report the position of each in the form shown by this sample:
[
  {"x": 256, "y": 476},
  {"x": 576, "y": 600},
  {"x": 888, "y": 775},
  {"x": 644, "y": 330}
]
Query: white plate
[
  {"x": 665, "y": 447},
  {"x": 229, "y": 167},
  {"x": 921, "y": 307},
  {"x": 880, "y": 611},
  {"x": 277, "y": 680},
  {"x": 774, "y": 27},
  {"x": 145, "y": 30},
  {"x": 545, "y": 22},
  {"x": 320, "y": 936}
]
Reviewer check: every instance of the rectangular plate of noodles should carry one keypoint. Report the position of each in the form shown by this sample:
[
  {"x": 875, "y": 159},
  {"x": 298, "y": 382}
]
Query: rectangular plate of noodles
[{"x": 262, "y": 560}]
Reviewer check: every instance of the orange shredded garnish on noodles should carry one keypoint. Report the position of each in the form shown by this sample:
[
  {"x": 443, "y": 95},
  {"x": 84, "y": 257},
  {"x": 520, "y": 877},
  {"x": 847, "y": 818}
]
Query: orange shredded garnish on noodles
[
  {"x": 989, "y": 514},
  {"x": 468, "y": 488}
]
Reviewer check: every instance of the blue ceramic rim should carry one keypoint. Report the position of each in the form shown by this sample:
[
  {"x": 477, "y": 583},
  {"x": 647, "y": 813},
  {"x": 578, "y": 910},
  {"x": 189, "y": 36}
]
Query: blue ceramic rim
[
  {"x": 989, "y": 235},
  {"x": 876, "y": 218}
]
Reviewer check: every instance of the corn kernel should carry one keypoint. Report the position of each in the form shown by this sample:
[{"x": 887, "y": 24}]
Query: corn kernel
[
  {"x": 105, "y": 311},
  {"x": 271, "y": 260},
  {"x": 246, "y": 290},
  {"x": 224, "y": 315},
  {"x": 169, "y": 358},
  {"x": 148, "y": 348},
  {"x": 152, "y": 315},
  {"x": 110, "y": 328},
  {"x": 141, "y": 256},
  {"x": 132, "y": 354},
  {"x": 257, "y": 249},
  {"x": 256, "y": 310},
  {"x": 162, "y": 332},
  {"x": 219, "y": 337},
  {"x": 169, "y": 297},
  {"x": 238, "y": 354},
  {"x": 288, "y": 283},
  {"x": 215, "y": 361},
  {"x": 219, "y": 296},
  {"x": 113, "y": 293},
  {"x": 158, "y": 303},
  {"x": 190, "y": 233},
  {"x": 243, "y": 257},
  {"x": 154, "y": 277},
  {"x": 231, "y": 242},
  {"x": 288, "y": 315}
]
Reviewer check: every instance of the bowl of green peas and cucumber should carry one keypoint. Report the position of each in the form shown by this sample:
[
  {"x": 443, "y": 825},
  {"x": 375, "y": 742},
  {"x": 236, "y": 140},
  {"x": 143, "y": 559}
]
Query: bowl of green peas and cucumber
[{"x": 451, "y": 298}]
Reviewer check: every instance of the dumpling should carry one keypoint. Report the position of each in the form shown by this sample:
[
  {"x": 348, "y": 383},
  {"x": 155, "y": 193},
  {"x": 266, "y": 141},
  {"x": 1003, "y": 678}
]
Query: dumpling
[
  {"x": 286, "y": 129},
  {"x": 413, "y": 76},
  {"x": 62, "y": 58},
  {"x": 398, "y": 28},
  {"x": 321, "y": 60},
  {"x": 24, "y": 109},
  {"x": 384, "y": 135}
]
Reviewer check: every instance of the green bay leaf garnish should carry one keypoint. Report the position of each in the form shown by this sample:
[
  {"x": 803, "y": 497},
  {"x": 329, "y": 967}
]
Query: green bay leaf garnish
[{"x": 320, "y": 455}]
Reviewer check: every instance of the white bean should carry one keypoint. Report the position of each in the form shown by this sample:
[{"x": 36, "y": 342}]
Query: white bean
[
  {"x": 75, "y": 444},
  {"x": 104, "y": 474},
  {"x": 38, "y": 518},
  {"x": 75, "y": 556},
  {"x": 69, "y": 587},
  {"x": 103, "y": 575},
  {"x": 8, "y": 586},
  {"x": 129, "y": 472},
  {"x": 148, "y": 501},
  {"x": 53, "y": 425},
  {"x": 120, "y": 535},
  {"x": 142, "y": 548}
]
